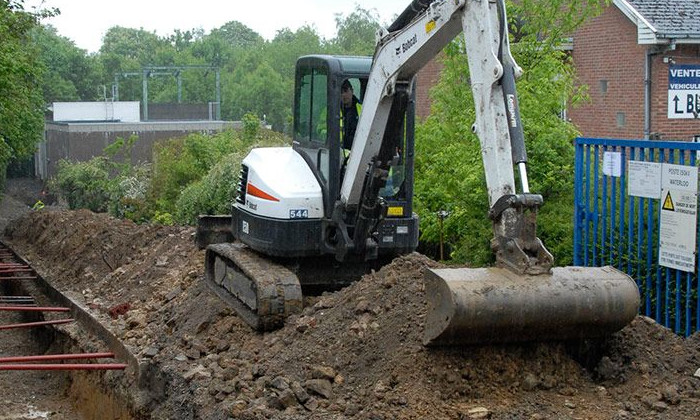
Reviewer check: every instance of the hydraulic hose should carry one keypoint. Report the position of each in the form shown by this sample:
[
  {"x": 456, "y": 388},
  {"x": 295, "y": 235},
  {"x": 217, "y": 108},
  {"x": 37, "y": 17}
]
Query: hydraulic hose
[{"x": 414, "y": 9}]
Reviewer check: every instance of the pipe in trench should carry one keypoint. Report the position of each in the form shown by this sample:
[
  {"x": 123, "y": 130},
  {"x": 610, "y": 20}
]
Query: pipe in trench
[
  {"x": 65, "y": 366},
  {"x": 76, "y": 356}
]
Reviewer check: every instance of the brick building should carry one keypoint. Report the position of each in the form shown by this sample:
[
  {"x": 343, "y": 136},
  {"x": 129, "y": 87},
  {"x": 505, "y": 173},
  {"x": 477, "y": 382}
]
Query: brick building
[
  {"x": 427, "y": 77},
  {"x": 641, "y": 62}
]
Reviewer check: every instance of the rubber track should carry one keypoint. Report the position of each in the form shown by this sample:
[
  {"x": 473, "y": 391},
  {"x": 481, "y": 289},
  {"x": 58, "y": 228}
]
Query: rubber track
[{"x": 276, "y": 290}]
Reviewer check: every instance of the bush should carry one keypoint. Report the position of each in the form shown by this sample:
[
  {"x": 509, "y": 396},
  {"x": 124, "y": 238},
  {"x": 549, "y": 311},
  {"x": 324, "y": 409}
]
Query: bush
[
  {"x": 85, "y": 184},
  {"x": 251, "y": 126},
  {"x": 445, "y": 140},
  {"x": 106, "y": 183},
  {"x": 193, "y": 175},
  {"x": 215, "y": 192},
  {"x": 128, "y": 193}
]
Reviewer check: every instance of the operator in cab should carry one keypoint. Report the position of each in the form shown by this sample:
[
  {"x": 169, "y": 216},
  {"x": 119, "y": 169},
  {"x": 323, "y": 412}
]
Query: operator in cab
[{"x": 350, "y": 109}]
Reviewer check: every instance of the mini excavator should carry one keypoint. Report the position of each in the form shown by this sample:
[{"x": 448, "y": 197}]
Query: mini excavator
[{"x": 312, "y": 216}]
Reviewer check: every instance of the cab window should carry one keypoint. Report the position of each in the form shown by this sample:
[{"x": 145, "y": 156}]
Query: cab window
[{"x": 311, "y": 123}]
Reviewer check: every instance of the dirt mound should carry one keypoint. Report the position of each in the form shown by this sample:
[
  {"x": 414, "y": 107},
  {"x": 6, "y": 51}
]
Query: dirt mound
[{"x": 355, "y": 353}]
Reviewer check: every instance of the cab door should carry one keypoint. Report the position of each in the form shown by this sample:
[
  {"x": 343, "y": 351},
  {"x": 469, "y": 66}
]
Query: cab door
[{"x": 312, "y": 126}]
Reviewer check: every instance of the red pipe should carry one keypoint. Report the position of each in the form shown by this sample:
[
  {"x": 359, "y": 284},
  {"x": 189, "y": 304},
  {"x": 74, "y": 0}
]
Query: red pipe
[
  {"x": 66, "y": 366},
  {"x": 18, "y": 278},
  {"x": 36, "y": 324},
  {"x": 15, "y": 270},
  {"x": 77, "y": 356},
  {"x": 34, "y": 308}
]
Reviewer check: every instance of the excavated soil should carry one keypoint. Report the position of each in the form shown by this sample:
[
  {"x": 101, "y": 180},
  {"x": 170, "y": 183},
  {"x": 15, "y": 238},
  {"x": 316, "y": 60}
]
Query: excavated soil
[{"x": 355, "y": 353}]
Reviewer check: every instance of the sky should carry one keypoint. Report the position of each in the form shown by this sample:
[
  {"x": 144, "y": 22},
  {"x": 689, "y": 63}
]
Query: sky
[{"x": 86, "y": 21}]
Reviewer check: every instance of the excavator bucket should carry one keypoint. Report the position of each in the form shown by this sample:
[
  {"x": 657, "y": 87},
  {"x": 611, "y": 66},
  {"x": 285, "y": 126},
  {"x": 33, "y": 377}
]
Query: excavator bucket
[{"x": 490, "y": 305}]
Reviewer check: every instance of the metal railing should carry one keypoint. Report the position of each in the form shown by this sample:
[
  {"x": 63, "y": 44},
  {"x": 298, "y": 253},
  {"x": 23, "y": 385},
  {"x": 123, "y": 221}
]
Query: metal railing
[{"x": 612, "y": 227}]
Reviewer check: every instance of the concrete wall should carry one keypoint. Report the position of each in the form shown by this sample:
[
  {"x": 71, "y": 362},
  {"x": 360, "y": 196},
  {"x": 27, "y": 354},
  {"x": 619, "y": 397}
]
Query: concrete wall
[
  {"x": 83, "y": 141},
  {"x": 609, "y": 60},
  {"x": 180, "y": 112}
]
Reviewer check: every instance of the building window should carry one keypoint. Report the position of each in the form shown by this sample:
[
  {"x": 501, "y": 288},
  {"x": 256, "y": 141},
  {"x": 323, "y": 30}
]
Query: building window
[
  {"x": 620, "y": 119},
  {"x": 603, "y": 86}
]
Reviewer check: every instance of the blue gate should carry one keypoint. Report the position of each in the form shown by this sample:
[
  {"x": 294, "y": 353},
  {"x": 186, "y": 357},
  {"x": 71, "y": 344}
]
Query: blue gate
[{"x": 614, "y": 228}]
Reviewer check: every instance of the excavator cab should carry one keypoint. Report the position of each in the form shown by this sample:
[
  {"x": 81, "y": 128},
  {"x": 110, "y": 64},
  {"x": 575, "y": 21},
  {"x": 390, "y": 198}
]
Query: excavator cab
[{"x": 319, "y": 138}]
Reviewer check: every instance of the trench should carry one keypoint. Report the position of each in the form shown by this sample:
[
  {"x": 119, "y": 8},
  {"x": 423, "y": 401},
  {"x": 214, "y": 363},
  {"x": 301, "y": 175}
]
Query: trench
[{"x": 58, "y": 395}]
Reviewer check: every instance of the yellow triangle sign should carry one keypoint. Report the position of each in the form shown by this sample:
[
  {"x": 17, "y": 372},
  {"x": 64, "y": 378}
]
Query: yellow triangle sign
[{"x": 668, "y": 202}]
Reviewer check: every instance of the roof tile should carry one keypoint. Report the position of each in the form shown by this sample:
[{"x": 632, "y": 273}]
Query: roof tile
[{"x": 671, "y": 18}]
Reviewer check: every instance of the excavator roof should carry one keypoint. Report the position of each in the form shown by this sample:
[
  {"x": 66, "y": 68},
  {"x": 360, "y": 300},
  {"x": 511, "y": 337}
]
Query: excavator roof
[{"x": 347, "y": 64}]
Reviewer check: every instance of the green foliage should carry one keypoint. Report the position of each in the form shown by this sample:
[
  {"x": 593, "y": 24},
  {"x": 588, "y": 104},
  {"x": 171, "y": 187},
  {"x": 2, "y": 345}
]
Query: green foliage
[
  {"x": 356, "y": 32},
  {"x": 21, "y": 105},
  {"x": 107, "y": 183},
  {"x": 282, "y": 52},
  {"x": 445, "y": 140},
  {"x": 85, "y": 184},
  {"x": 236, "y": 34},
  {"x": 261, "y": 91},
  {"x": 215, "y": 192},
  {"x": 177, "y": 163},
  {"x": 70, "y": 74},
  {"x": 164, "y": 218},
  {"x": 251, "y": 126}
]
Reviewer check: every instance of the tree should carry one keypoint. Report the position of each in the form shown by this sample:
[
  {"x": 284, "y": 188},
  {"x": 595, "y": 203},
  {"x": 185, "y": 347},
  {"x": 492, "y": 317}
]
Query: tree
[
  {"x": 21, "y": 103},
  {"x": 262, "y": 92},
  {"x": 70, "y": 75},
  {"x": 356, "y": 32},
  {"x": 282, "y": 52},
  {"x": 445, "y": 139},
  {"x": 238, "y": 35},
  {"x": 137, "y": 44}
]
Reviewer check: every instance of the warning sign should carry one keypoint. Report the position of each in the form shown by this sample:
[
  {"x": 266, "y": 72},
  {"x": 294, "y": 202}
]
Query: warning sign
[
  {"x": 678, "y": 216},
  {"x": 668, "y": 202}
]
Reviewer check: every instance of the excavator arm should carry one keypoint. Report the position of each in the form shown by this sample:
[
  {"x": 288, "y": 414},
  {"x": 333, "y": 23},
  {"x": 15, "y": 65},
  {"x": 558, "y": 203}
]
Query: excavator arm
[
  {"x": 522, "y": 298},
  {"x": 417, "y": 36}
]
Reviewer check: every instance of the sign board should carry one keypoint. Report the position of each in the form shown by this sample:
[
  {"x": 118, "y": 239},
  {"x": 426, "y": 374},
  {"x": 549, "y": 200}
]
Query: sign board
[
  {"x": 678, "y": 216},
  {"x": 612, "y": 164},
  {"x": 644, "y": 179},
  {"x": 684, "y": 91}
]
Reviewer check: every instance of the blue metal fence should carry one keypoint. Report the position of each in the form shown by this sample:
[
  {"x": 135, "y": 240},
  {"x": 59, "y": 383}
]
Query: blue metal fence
[{"x": 613, "y": 228}]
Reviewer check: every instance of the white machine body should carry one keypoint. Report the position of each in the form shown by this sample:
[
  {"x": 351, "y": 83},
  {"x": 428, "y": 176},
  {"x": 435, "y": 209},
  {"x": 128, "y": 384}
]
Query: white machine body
[{"x": 294, "y": 194}]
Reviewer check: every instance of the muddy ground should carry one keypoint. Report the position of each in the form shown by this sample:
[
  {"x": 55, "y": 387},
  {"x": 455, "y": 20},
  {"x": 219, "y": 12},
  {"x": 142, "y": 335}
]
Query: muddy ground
[{"x": 354, "y": 354}]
